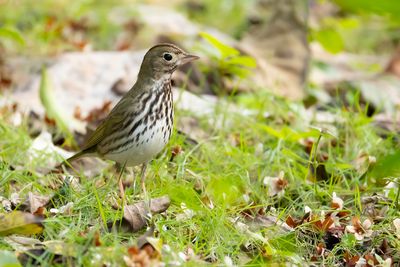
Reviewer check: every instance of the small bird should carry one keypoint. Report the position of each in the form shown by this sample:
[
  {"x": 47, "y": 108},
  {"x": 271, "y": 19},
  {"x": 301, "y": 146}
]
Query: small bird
[{"x": 141, "y": 123}]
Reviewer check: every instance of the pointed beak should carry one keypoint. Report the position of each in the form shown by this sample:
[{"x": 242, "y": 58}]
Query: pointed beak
[{"x": 188, "y": 58}]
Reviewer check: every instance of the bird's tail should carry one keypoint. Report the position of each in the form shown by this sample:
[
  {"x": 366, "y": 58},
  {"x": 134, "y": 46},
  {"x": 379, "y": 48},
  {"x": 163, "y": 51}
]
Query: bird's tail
[
  {"x": 59, "y": 167},
  {"x": 74, "y": 157}
]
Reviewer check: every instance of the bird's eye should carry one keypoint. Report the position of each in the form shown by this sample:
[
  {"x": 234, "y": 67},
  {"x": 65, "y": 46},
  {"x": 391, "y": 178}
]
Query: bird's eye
[{"x": 167, "y": 56}]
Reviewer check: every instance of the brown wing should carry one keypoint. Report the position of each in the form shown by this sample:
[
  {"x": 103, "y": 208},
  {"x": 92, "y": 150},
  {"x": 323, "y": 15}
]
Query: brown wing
[{"x": 110, "y": 123}]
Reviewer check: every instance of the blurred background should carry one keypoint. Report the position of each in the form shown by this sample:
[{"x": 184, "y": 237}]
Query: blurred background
[{"x": 317, "y": 53}]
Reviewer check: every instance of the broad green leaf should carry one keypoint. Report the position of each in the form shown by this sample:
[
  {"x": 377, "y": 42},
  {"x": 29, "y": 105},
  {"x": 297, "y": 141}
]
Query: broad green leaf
[
  {"x": 349, "y": 23},
  {"x": 8, "y": 259},
  {"x": 12, "y": 34},
  {"x": 330, "y": 40},
  {"x": 18, "y": 222},
  {"x": 273, "y": 132},
  {"x": 50, "y": 103},
  {"x": 225, "y": 190},
  {"x": 245, "y": 61},
  {"x": 61, "y": 248},
  {"x": 238, "y": 71},
  {"x": 388, "y": 166},
  {"x": 289, "y": 134},
  {"x": 225, "y": 50},
  {"x": 383, "y": 7}
]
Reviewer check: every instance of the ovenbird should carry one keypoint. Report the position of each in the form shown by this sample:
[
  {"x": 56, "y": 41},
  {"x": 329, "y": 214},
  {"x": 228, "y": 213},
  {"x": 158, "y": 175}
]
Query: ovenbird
[{"x": 141, "y": 123}]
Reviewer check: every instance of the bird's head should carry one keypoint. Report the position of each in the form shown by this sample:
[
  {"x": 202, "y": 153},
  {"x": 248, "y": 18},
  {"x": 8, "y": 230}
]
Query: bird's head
[{"x": 163, "y": 59}]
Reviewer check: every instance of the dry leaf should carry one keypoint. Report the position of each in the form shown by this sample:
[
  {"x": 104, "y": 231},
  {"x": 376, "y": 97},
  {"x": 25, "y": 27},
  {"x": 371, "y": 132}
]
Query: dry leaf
[
  {"x": 21, "y": 243},
  {"x": 324, "y": 224},
  {"x": 360, "y": 230},
  {"x": 96, "y": 239},
  {"x": 43, "y": 150},
  {"x": 15, "y": 199},
  {"x": 6, "y": 203},
  {"x": 18, "y": 222},
  {"x": 337, "y": 202},
  {"x": 34, "y": 202},
  {"x": 265, "y": 221},
  {"x": 291, "y": 222},
  {"x": 176, "y": 150},
  {"x": 276, "y": 185},
  {"x": 136, "y": 214},
  {"x": 141, "y": 257},
  {"x": 363, "y": 162},
  {"x": 396, "y": 223},
  {"x": 350, "y": 260}
]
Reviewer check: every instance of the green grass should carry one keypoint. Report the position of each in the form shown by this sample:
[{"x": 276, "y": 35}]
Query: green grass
[{"x": 227, "y": 170}]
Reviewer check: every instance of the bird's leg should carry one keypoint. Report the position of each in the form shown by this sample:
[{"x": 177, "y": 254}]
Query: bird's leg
[
  {"x": 120, "y": 184},
  {"x": 147, "y": 199}
]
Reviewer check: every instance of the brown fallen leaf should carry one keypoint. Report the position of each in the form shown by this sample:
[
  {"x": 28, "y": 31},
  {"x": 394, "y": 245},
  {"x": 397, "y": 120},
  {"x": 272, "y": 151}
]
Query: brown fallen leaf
[
  {"x": 323, "y": 224},
  {"x": 376, "y": 207},
  {"x": 350, "y": 260},
  {"x": 34, "y": 202},
  {"x": 18, "y": 222},
  {"x": 147, "y": 252},
  {"x": 21, "y": 243},
  {"x": 175, "y": 151},
  {"x": 5, "y": 203},
  {"x": 96, "y": 239},
  {"x": 262, "y": 221},
  {"x": 136, "y": 214},
  {"x": 142, "y": 257}
]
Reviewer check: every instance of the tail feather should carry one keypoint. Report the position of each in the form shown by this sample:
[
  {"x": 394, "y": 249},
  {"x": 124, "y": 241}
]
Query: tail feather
[
  {"x": 83, "y": 153},
  {"x": 74, "y": 157},
  {"x": 58, "y": 167}
]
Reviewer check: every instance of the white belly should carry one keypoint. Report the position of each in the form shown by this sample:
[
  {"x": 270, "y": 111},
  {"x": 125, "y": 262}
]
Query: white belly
[{"x": 146, "y": 148}]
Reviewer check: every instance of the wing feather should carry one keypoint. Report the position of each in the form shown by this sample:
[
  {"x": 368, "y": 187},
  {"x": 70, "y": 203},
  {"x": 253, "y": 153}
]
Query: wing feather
[{"x": 110, "y": 123}]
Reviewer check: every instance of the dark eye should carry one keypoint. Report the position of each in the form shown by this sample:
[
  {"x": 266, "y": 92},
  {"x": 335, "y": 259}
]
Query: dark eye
[{"x": 167, "y": 56}]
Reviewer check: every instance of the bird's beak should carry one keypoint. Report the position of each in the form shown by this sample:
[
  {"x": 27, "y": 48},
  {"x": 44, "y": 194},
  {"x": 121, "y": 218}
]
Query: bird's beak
[{"x": 188, "y": 58}]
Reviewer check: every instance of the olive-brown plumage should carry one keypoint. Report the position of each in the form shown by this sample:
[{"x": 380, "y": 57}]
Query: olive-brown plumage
[{"x": 140, "y": 125}]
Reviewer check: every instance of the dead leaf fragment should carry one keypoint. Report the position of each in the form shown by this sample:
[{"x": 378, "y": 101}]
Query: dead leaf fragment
[
  {"x": 350, "y": 260},
  {"x": 142, "y": 257},
  {"x": 18, "y": 222},
  {"x": 34, "y": 202},
  {"x": 5, "y": 203},
  {"x": 363, "y": 162},
  {"x": 396, "y": 223},
  {"x": 21, "y": 243},
  {"x": 276, "y": 185},
  {"x": 136, "y": 214},
  {"x": 337, "y": 202},
  {"x": 360, "y": 230},
  {"x": 96, "y": 239}
]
